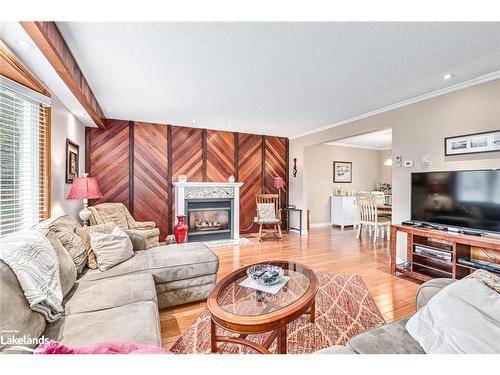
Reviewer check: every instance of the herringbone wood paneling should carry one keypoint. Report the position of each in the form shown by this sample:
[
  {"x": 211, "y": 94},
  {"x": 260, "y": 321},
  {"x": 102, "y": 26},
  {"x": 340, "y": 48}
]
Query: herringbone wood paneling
[
  {"x": 249, "y": 165},
  {"x": 220, "y": 155},
  {"x": 187, "y": 156},
  {"x": 109, "y": 161},
  {"x": 150, "y": 175},
  {"x": 276, "y": 166},
  {"x": 187, "y": 153}
]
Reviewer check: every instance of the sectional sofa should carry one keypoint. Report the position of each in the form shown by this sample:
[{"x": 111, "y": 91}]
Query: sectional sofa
[{"x": 120, "y": 304}]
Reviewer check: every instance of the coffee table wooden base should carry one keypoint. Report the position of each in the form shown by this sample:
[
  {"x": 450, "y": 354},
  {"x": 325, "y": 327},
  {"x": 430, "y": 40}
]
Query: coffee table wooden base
[{"x": 280, "y": 334}]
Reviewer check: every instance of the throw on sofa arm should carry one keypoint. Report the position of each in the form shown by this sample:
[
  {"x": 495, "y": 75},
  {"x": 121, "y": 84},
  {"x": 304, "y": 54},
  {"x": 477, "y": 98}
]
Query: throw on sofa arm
[{"x": 429, "y": 289}]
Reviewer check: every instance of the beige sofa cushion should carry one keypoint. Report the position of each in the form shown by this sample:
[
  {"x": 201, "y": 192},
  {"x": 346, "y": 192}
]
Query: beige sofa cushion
[
  {"x": 84, "y": 233},
  {"x": 16, "y": 317},
  {"x": 390, "y": 338},
  {"x": 110, "y": 293},
  {"x": 67, "y": 269},
  {"x": 165, "y": 263},
  {"x": 64, "y": 228},
  {"x": 134, "y": 323}
]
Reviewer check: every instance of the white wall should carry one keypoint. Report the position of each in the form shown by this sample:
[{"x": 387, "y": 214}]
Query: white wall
[
  {"x": 318, "y": 161},
  {"x": 417, "y": 129},
  {"x": 64, "y": 125},
  {"x": 385, "y": 171}
]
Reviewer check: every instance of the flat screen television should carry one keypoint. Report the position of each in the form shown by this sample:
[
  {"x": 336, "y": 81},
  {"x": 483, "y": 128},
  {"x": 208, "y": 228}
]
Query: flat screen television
[{"x": 460, "y": 199}]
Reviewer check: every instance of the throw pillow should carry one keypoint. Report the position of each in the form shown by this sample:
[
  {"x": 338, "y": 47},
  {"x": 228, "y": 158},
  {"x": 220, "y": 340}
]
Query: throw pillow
[
  {"x": 111, "y": 249},
  {"x": 266, "y": 212},
  {"x": 84, "y": 233},
  {"x": 64, "y": 228},
  {"x": 67, "y": 269},
  {"x": 463, "y": 318},
  {"x": 489, "y": 279}
]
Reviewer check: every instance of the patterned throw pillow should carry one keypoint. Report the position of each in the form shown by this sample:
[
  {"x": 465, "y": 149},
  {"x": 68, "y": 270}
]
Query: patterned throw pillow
[
  {"x": 265, "y": 212},
  {"x": 84, "y": 233},
  {"x": 488, "y": 278},
  {"x": 64, "y": 228}
]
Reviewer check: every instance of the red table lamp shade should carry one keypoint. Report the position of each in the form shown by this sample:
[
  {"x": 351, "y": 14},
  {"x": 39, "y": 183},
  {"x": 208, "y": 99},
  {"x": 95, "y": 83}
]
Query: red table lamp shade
[
  {"x": 84, "y": 188},
  {"x": 278, "y": 182}
]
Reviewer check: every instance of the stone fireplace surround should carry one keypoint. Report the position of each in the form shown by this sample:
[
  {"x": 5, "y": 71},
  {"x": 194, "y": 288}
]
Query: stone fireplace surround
[{"x": 204, "y": 191}]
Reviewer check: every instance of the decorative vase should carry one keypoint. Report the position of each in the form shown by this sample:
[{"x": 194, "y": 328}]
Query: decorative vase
[
  {"x": 182, "y": 178},
  {"x": 231, "y": 179},
  {"x": 181, "y": 229}
]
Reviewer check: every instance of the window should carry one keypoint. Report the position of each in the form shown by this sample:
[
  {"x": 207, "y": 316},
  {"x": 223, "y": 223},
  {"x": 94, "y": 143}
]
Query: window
[{"x": 24, "y": 157}]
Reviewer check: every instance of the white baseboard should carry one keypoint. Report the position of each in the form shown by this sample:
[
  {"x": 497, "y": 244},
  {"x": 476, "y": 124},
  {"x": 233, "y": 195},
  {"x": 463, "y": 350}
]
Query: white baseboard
[
  {"x": 296, "y": 231},
  {"x": 320, "y": 225}
]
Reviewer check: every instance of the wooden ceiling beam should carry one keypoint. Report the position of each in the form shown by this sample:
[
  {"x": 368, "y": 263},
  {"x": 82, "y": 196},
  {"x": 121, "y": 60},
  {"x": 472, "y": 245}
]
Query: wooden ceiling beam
[
  {"x": 12, "y": 68},
  {"x": 49, "y": 40}
]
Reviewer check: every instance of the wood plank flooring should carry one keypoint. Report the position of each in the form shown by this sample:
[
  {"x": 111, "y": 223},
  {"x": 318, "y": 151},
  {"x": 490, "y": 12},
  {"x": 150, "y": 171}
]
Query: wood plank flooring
[{"x": 324, "y": 249}]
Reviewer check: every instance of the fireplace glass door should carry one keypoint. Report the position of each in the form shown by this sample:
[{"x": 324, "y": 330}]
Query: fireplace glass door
[{"x": 208, "y": 220}]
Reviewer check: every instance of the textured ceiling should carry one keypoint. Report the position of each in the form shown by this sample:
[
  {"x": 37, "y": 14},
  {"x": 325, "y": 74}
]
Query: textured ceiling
[{"x": 273, "y": 78}]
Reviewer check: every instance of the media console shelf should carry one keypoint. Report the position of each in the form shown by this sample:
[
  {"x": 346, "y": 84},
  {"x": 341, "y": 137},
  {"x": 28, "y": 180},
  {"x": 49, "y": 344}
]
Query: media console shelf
[{"x": 424, "y": 267}]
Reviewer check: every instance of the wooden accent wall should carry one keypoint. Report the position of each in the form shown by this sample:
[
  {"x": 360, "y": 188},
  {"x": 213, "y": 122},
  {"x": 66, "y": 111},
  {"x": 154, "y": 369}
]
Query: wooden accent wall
[
  {"x": 275, "y": 160},
  {"x": 151, "y": 186},
  {"x": 250, "y": 172},
  {"x": 187, "y": 153},
  {"x": 135, "y": 163},
  {"x": 221, "y": 149},
  {"x": 109, "y": 161}
]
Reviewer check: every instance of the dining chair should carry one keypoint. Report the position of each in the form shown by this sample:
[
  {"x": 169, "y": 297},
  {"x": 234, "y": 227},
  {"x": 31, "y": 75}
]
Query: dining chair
[{"x": 368, "y": 217}]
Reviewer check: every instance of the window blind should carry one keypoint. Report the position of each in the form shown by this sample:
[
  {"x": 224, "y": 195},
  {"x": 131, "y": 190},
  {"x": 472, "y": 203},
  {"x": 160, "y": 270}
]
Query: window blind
[{"x": 24, "y": 169}]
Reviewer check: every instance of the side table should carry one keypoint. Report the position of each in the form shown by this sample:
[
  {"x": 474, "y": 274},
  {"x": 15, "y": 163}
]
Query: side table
[{"x": 288, "y": 227}]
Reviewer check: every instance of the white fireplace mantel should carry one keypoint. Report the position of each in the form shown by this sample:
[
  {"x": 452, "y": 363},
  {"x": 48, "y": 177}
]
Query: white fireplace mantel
[{"x": 209, "y": 190}]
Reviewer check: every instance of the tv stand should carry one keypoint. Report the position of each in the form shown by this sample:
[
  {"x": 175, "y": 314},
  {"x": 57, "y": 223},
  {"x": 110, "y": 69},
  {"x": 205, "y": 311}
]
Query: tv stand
[{"x": 424, "y": 267}]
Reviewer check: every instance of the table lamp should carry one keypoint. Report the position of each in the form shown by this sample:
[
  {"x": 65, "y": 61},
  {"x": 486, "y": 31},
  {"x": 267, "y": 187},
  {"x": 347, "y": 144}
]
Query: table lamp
[
  {"x": 84, "y": 188},
  {"x": 278, "y": 184}
]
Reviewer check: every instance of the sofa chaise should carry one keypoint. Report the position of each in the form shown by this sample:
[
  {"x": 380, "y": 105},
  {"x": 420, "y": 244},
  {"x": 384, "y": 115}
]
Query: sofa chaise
[{"x": 120, "y": 304}]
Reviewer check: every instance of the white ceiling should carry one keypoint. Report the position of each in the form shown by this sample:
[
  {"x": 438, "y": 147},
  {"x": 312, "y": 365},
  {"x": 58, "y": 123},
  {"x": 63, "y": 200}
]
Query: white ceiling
[
  {"x": 273, "y": 78},
  {"x": 379, "y": 140}
]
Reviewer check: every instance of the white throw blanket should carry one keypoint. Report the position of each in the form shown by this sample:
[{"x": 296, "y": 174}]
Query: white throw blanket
[{"x": 34, "y": 261}]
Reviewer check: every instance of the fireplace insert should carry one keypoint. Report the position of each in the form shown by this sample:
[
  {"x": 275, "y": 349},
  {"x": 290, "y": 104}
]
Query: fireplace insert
[{"x": 209, "y": 219}]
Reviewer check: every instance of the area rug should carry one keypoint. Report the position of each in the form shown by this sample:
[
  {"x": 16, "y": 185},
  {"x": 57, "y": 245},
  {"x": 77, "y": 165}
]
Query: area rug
[{"x": 344, "y": 308}]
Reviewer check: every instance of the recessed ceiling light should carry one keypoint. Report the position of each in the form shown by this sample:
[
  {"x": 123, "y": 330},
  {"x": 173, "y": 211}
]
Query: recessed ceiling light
[
  {"x": 193, "y": 121},
  {"x": 24, "y": 44},
  {"x": 448, "y": 76},
  {"x": 229, "y": 125}
]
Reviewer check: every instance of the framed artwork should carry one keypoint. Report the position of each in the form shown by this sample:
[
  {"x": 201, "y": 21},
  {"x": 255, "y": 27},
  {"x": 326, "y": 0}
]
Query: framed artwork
[
  {"x": 72, "y": 160},
  {"x": 342, "y": 172},
  {"x": 472, "y": 143}
]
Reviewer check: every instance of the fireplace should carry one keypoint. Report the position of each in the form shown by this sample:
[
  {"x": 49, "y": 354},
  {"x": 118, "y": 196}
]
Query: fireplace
[
  {"x": 209, "y": 219},
  {"x": 212, "y": 209}
]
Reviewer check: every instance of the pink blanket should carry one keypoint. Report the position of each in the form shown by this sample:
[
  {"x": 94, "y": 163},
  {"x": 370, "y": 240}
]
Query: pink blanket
[{"x": 54, "y": 347}]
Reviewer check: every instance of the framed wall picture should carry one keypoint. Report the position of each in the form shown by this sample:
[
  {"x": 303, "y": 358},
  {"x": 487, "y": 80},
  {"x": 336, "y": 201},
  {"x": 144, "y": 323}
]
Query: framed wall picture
[
  {"x": 72, "y": 160},
  {"x": 342, "y": 172},
  {"x": 472, "y": 143}
]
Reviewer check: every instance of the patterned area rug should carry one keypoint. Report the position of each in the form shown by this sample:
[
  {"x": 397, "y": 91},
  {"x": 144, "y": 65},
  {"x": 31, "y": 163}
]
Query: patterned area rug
[{"x": 344, "y": 308}]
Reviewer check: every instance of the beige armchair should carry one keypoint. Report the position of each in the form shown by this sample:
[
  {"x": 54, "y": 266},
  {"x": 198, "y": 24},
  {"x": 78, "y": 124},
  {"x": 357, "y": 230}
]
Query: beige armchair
[{"x": 143, "y": 234}]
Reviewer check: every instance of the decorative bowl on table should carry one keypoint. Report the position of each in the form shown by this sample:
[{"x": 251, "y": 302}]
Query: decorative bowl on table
[{"x": 265, "y": 274}]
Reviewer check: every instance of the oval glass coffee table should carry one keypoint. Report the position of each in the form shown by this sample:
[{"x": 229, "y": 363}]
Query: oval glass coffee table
[{"x": 247, "y": 311}]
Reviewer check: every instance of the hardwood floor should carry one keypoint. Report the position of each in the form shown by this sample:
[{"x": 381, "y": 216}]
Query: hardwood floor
[{"x": 324, "y": 249}]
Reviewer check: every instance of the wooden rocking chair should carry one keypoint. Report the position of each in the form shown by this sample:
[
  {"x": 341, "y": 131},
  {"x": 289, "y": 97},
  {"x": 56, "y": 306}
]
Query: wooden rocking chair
[{"x": 268, "y": 213}]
